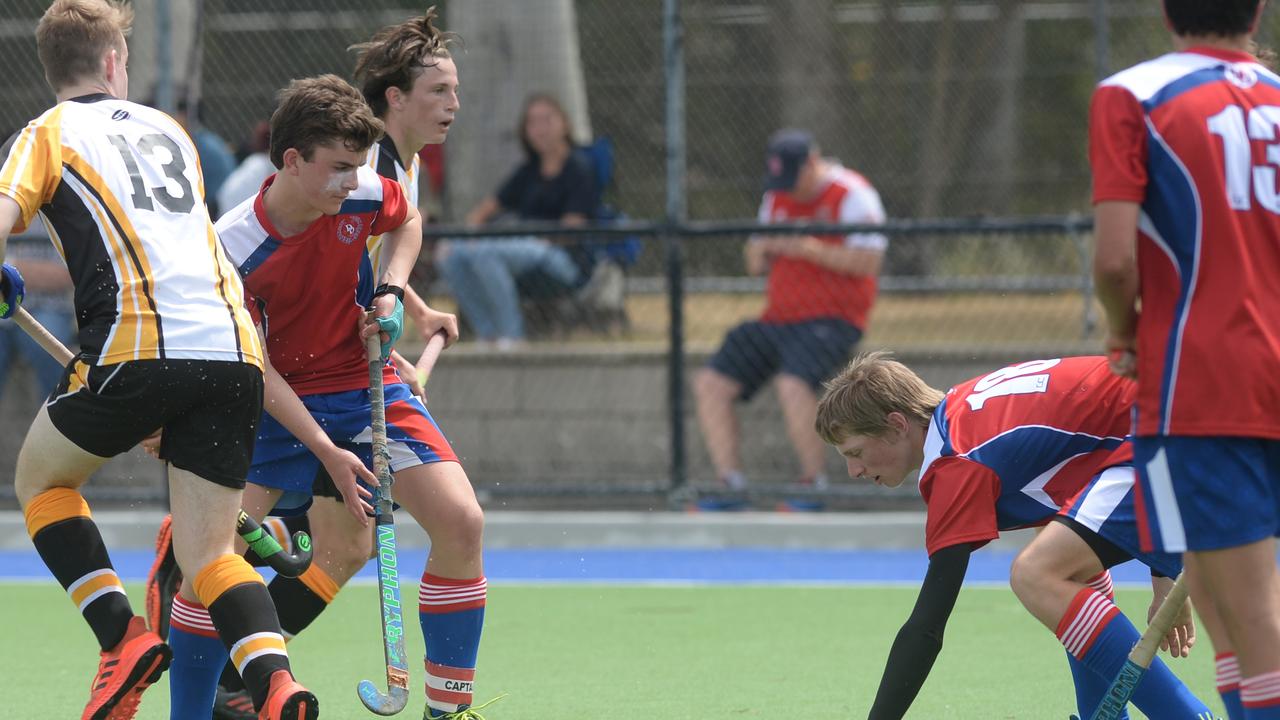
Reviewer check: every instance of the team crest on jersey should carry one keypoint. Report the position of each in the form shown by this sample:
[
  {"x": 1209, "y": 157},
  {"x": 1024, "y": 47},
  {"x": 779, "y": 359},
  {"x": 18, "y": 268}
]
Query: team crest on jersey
[
  {"x": 1242, "y": 76},
  {"x": 349, "y": 228}
]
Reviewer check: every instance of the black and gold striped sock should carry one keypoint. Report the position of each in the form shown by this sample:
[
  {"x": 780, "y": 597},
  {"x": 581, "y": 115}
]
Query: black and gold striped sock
[
  {"x": 68, "y": 541},
  {"x": 299, "y": 601},
  {"x": 241, "y": 609}
]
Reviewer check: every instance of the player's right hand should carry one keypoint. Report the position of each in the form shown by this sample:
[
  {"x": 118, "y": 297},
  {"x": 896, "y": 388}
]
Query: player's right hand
[
  {"x": 1182, "y": 635},
  {"x": 346, "y": 469},
  {"x": 13, "y": 289}
]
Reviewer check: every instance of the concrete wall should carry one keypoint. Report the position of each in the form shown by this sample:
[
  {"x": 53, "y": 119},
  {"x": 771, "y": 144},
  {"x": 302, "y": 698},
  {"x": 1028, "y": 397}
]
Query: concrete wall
[{"x": 549, "y": 417}]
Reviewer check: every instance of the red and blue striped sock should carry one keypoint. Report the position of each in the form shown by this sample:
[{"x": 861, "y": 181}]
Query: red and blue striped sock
[
  {"x": 1100, "y": 636},
  {"x": 452, "y": 615},
  {"x": 198, "y": 657},
  {"x": 1227, "y": 671},
  {"x": 1260, "y": 696},
  {"x": 1090, "y": 687}
]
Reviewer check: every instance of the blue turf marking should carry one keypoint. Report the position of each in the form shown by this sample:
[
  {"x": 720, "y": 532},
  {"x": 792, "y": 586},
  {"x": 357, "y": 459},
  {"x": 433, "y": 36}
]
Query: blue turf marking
[{"x": 648, "y": 565}]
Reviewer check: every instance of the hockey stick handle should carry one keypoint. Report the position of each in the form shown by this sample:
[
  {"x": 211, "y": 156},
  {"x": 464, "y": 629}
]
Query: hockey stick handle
[
  {"x": 277, "y": 558},
  {"x": 397, "y": 695},
  {"x": 41, "y": 335},
  {"x": 1161, "y": 623},
  {"x": 431, "y": 353}
]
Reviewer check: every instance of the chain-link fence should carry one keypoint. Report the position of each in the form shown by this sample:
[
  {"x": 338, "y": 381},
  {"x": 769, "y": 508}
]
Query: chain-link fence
[{"x": 973, "y": 110}]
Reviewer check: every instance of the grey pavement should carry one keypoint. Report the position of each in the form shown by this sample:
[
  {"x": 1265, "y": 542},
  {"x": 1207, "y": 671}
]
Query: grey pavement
[{"x": 550, "y": 529}]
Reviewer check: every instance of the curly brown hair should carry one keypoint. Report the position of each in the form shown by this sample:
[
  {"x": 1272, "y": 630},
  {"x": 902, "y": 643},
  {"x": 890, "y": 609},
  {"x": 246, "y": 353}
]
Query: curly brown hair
[
  {"x": 396, "y": 55},
  {"x": 320, "y": 110},
  {"x": 73, "y": 35}
]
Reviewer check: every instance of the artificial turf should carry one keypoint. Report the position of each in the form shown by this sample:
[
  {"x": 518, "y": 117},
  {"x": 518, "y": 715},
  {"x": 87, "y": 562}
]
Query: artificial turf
[{"x": 634, "y": 652}]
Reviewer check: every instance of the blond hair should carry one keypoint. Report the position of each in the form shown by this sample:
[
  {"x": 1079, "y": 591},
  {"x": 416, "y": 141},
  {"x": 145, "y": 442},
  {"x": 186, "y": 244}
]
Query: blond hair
[
  {"x": 73, "y": 35},
  {"x": 319, "y": 111},
  {"x": 396, "y": 55},
  {"x": 858, "y": 400}
]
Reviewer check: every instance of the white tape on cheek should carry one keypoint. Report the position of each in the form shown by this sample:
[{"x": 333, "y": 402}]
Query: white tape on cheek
[{"x": 339, "y": 180}]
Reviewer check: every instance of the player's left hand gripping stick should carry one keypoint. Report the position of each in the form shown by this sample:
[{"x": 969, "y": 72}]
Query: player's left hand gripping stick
[
  {"x": 397, "y": 695},
  {"x": 277, "y": 558},
  {"x": 289, "y": 565}
]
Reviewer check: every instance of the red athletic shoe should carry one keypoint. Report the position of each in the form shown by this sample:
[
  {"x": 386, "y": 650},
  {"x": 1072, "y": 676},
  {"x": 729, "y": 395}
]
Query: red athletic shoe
[
  {"x": 287, "y": 700},
  {"x": 124, "y": 672},
  {"x": 163, "y": 581}
]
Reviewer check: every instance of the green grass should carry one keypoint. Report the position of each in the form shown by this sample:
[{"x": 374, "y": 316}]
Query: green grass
[{"x": 631, "y": 653}]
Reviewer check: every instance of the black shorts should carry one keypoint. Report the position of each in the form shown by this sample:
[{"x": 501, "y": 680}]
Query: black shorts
[
  {"x": 209, "y": 411},
  {"x": 1109, "y": 554},
  {"x": 813, "y": 351}
]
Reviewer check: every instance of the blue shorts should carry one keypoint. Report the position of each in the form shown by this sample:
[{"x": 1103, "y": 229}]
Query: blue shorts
[
  {"x": 280, "y": 461},
  {"x": 813, "y": 351},
  {"x": 1207, "y": 493},
  {"x": 1106, "y": 506}
]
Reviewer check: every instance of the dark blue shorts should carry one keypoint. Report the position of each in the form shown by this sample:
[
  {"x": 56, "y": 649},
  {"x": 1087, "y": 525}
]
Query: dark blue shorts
[
  {"x": 281, "y": 461},
  {"x": 1207, "y": 493},
  {"x": 813, "y": 351}
]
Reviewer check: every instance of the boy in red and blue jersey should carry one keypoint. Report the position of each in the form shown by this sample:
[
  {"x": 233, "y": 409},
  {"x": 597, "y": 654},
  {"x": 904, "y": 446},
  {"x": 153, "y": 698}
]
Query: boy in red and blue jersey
[
  {"x": 300, "y": 248},
  {"x": 1183, "y": 149},
  {"x": 1042, "y": 443}
]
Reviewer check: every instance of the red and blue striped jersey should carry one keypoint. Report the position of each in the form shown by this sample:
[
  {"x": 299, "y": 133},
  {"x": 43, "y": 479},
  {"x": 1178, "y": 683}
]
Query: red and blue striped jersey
[
  {"x": 1192, "y": 138},
  {"x": 1009, "y": 449},
  {"x": 309, "y": 290}
]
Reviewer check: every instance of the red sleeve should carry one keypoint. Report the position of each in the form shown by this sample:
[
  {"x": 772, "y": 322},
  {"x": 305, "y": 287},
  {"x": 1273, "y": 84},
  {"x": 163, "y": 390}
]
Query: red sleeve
[
  {"x": 1117, "y": 145},
  {"x": 254, "y": 306},
  {"x": 394, "y": 208},
  {"x": 960, "y": 504}
]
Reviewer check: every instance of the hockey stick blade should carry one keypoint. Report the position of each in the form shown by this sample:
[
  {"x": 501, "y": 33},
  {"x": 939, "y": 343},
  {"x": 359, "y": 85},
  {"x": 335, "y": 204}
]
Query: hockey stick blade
[{"x": 261, "y": 542}]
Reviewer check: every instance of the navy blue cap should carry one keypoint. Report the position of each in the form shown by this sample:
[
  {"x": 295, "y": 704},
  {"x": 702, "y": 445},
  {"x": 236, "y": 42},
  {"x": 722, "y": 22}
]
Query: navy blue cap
[{"x": 788, "y": 151}]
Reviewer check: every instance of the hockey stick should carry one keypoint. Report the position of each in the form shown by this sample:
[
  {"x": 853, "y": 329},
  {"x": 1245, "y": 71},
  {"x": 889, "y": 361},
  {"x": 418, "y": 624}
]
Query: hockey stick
[
  {"x": 1117, "y": 696},
  {"x": 397, "y": 695},
  {"x": 51, "y": 344},
  {"x": 429, "y": 356},
  {"x": 284, "y": 563}
]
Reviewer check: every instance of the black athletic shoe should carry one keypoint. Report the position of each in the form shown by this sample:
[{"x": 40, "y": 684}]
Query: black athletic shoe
[{"x": 233, "y": 705}]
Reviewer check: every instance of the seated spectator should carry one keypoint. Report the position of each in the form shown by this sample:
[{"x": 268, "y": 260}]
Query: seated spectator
[
  {"x": 48, "y": 299},
  {"x": 245, "y": 181},
  {"x": 819, "y": 293},
  {"x": 555, "y": 183}
]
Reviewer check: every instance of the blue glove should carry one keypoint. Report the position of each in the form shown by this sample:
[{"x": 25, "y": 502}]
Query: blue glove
[
  {"x": 393, "y": 326},
  {"x": 14, "y": 288}
]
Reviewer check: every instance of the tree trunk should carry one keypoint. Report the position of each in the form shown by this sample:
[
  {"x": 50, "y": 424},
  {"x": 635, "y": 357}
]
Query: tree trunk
[
  {"x": 509, "y": 48},
  {"x": 807, "y": 47}
]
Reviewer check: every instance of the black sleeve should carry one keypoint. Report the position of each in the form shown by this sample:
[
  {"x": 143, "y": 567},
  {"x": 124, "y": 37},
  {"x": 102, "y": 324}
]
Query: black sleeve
[
  {"x": 511, "y": 195},
  {"x": 920, "y": 639}
]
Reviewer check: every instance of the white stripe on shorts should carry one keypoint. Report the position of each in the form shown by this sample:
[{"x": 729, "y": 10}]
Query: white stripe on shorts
[
  {"x": 1173, "y": 538},
  {"x": 1103, "y": 496}
]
